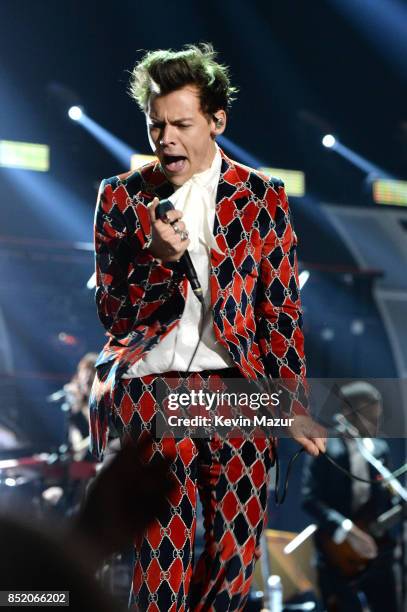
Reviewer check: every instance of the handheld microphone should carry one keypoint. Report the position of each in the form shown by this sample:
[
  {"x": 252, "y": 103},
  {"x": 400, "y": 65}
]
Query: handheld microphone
[{"x": 185, "y": 261}]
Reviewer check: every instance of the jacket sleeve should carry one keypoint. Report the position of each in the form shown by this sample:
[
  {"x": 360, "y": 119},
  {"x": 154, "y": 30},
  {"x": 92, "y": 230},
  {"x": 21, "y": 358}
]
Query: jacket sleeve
[
  {"x": 278, "y": 306},
  {"x": 131, "y": 285},
  {"x": 315, "y": 481}
]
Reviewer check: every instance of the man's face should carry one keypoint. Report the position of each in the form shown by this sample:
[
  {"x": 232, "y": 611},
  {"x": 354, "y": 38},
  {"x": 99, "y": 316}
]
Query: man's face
[
  {"x": 86, "y": 375},
  {"x": 180, "y": 134},
  {"x": 366, "y": 418}
]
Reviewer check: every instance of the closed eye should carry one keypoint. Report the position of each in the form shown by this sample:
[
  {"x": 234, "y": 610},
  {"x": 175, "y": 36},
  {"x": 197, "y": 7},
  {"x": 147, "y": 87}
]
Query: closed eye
[{"x": 160, "y": 126}]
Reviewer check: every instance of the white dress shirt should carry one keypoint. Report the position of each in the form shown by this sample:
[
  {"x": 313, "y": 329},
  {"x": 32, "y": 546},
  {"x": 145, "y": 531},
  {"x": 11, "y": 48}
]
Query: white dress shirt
[
  {"x": 196, "y": 199},
  {"x": 360, "y": 490}
]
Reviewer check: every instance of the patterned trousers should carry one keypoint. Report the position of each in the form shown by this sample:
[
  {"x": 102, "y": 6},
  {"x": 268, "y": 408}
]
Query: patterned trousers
[{"x": 231, "y": 477}]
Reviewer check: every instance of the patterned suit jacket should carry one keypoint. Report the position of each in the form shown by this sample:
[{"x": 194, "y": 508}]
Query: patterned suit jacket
[{"x": 254, "y": 284}]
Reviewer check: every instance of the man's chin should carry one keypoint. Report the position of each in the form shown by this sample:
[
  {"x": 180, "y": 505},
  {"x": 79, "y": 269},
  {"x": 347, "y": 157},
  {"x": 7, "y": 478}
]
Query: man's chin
[{"x": 177, "y": 178}]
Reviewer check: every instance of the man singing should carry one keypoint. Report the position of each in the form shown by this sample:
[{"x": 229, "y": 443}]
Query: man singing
[{"x": 235, "y": 223}]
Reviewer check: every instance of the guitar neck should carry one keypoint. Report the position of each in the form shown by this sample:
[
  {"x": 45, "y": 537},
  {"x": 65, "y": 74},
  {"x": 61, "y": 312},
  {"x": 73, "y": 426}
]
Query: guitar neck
[{"x": 387, "y": 520}]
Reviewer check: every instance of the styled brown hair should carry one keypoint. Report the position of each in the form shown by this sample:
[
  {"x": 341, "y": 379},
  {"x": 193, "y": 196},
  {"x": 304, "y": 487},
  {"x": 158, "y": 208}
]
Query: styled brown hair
[{"x": 163, "y": 71}]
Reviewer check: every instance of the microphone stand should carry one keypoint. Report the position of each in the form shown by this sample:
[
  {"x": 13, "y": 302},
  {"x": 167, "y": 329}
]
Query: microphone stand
[
  {"x": 391, "y": 480},
  {"x": 371, "y": 459}
]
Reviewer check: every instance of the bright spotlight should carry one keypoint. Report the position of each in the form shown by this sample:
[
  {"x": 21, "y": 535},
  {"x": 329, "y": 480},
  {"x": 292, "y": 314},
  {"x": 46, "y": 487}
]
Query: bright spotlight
[
  {"x": 91, "y": 284},
  {"x": 75, "y": 113},
  {"x": 329, "y": 141},
  {"x": 303, "y": 277}
]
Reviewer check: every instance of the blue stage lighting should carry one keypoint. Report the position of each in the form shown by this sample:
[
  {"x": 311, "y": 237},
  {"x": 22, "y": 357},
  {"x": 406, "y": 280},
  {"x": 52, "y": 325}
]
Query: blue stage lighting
[
  {"x": 354, "y": 158},
  {"x": 239, "y": 153},
  {"x": 383, "y": 23},
  {"x": 75, "y": 113},
  {"x": 56, "y": 207},
  {"x": 119, "y": 149},
  {"x": 329, "y": 141},
  {"x": 361, "y": 162}
]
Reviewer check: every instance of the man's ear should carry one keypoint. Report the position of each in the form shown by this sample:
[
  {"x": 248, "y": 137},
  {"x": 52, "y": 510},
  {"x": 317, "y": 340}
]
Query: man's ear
[{"x": 218, "y": 123}]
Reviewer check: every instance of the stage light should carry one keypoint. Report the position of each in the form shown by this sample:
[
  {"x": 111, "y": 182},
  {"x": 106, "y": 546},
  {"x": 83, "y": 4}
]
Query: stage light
[
  {"x": 91, "y": 284},
  {"x": 354, "y": 158},
  {"x": 294, "y": 180},
  {"x": 303, "y": 277},
  {"x": 329, "y": 141},
  {"x": 239, "y": 152},
  {"x": 138, "y": 160},
  {"x": 391, "y": 192},
  {"x": 75, "y": 113},
  {"x": 40, "y": 191},
  {"x": 357, "y": 327},
  {"x": 24, "y": 155},
  {"x": 67, "y": 339},
  {"x": 119, "y": 149},
  {"x": 327, "y": 334}
]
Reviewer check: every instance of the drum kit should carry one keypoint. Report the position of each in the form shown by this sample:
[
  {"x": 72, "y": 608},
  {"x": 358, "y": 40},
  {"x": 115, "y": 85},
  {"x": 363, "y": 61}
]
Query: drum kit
[{"x": 41, "y": 481}]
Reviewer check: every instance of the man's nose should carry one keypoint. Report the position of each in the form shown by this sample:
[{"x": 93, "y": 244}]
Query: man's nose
[{"x": 167, "y": 135}]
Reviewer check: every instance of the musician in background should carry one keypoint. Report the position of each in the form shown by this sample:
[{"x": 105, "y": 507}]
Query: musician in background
[
  {"x": 66, "y": 499},
  {"x": 77, "y": 393},
  {"x": 336, "y": 502}
]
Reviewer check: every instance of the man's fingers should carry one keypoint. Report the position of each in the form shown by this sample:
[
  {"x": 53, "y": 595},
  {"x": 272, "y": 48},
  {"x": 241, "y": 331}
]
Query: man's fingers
[
  {"x": 170, "y": 216},
  {"x": 317, "y": 434},
  {"x": 183, "y": 244},
  {"x": 309, "y": 434},
  {"x": 308, "y": 444},
  {"x": 167, "y": 243},
  {"x": 320, "y": 443},
  {"x": 178, "y": 226}
]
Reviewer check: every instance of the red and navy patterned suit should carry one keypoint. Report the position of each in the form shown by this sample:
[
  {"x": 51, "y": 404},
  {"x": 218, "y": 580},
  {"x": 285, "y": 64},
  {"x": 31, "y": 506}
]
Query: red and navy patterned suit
[{"x": 257, "y": 318}]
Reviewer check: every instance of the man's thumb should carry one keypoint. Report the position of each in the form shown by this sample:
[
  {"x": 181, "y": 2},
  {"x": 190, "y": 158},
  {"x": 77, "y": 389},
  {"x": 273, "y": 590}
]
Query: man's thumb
[{"x": 151, "y": 208}]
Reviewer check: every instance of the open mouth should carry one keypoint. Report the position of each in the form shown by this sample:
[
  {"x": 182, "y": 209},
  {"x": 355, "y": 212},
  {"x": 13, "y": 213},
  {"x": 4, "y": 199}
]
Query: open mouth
[{"x": 174, "y": 163}]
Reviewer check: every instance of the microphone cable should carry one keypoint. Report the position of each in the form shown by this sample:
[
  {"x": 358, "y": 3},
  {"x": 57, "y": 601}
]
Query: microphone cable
[
  {"x": 280, "y": 497},
  {"x": 200, "y": 334}
]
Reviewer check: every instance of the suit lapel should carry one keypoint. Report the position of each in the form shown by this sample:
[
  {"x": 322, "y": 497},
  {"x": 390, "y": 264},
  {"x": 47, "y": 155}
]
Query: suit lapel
[
  {"x": 154, "y": 183},
  {"x": 231, "y": 188}
]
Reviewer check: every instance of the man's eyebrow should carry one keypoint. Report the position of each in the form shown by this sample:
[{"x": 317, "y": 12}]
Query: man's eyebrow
[{"x": 174, "y": 121}]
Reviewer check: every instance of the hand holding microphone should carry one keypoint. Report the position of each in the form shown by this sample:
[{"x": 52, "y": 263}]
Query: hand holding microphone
[
  {"x": 169, "y": 234},
  {"x": 170, "y": 240}
]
